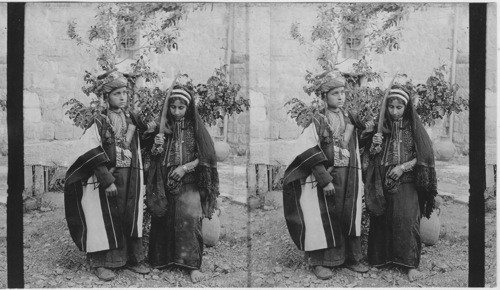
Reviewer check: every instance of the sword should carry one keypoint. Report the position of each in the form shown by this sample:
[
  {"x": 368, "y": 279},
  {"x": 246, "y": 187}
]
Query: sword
[
  {"x": 381, "y": 114},
  {"x": 158, "y": 148}
]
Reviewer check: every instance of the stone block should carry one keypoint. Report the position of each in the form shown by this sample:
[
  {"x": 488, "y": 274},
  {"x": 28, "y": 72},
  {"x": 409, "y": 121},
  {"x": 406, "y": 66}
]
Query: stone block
[
  {"x": 243, "y": 118},
  {"x": 38, "y": 180},
  {"x": 53, "y": 114},
  {"x": 77, "y": 132},
  {"x": 259, "y": 152},
  {"x": 262, "y": 179},
  {"x": 32, "y": 131},
  {"x": 43, "y": 81},
  {"x": 32, "y": 115},
  {"x": 31, "y": 100},
  {"x": 274, "y": 130},
  {"x": 260, "y": 79},
  {"x": 48, "y": 131},
  {"x": 281, "y": 152},
  {"x": 243, "y": 139},
  {"x": 231, "y": 137},
  {"x": 491, "y": 113},
  {"x": 63, "y": 132},
  {"x": 239, "y": 58},
  {"x": 51, "y": 99},
  {"x": 491, "y": 153},
  {"x": 251, "y": 179},
  {"x": 257, "y": 114},
  {"x": 241, "y": 128},
  {"x": 28, "y": 179},
  {"x": 259, "y": 130},
  {"x": 491, "y": 99},
  {"x": 3, "y": 80},
  {"x": 257, "y": 99},
  {"x": 462, "y": 76},
  {"x": 462, "y": 58},
  {"x": 289, "y": 131},
  {"x": 490, "y": 175}
]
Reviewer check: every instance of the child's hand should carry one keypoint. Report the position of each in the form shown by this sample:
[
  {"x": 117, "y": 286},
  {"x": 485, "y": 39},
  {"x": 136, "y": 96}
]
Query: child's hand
[
  {"x": 329, "y": 189},
  {"x": 377, "y": 138},
  {"x": 396, "y": 172},
  {"x": 369, "y": 126},
  {"x": 151, "y": 126},
  {"x": 111, "y": 190},
  {"x": 159, "y": 139},
  {"x": 177, "y": 174}
]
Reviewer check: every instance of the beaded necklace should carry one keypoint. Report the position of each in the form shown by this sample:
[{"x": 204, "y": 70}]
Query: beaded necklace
[{"x": 118, "y": 123}]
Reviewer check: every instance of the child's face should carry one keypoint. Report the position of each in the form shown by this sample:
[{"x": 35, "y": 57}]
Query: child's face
[
  {"x": 178, "y": 109},
  {"x": 335, "y": 98},
  {"x": 118, "y": 98},
  {"x": 396, "y": 109}
]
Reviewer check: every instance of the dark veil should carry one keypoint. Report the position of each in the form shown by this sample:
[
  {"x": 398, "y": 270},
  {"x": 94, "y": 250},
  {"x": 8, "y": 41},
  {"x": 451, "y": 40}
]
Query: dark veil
[
  {"x": 206, "y": 171},
  {"x": 424, "y": 171}
]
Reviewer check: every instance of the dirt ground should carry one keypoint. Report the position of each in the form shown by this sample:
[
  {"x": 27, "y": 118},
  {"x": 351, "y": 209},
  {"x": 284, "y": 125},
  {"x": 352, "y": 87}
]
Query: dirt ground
[
  {"x": 254, "y": 250},
  {"x": 277, "y": 263}
]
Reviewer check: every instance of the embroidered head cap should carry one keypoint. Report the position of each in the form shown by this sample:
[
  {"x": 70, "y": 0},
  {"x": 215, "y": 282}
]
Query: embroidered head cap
[
  {"x": 398, "y": 92},
  {"x": 331, "y": 84},
  {"x": 181, "y": 93},
  {"x": 111, "y": 81}
]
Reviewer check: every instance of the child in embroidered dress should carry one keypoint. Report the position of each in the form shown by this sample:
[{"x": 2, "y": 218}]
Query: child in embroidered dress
[{"x": 403, "y": 151}]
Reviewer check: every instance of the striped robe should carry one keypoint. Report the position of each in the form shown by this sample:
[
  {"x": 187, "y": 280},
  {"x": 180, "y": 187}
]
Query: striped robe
[
  {"x": 93, "y": 219},
  {"x": 313, "y": 220}
]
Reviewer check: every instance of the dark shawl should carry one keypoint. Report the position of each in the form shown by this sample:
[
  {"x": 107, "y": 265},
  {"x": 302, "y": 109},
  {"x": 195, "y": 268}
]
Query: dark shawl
[
  {"x": 206, "y": 171},
  {"x": 78, "y": 174},
  {"x": 299, "y": 169},
  {"x": 424, "y": 171}
]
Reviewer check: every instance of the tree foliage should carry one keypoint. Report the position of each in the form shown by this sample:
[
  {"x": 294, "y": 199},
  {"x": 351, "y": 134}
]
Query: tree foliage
[
  {"x": 375, "y": 27},
  {"x": 143, "y": 27},
  {"x": 435, "y": 99},
  {"x": 219, "y": 97},
  {"x": 125, "y": 31}
]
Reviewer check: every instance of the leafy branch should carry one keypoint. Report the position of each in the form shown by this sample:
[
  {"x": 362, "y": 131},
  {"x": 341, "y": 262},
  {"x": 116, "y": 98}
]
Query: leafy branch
[{"x": 436, "y": 98}]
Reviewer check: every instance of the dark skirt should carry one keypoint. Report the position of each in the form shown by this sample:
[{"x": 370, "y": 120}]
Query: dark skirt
[
  {"x": 394, "y": 237},
  {"x": 132, "y": 251},
  {"x": 176, "y": 238}
]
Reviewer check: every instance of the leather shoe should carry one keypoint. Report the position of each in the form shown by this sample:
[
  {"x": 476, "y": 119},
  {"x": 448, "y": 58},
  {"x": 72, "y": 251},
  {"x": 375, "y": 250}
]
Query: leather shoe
[
  {"x": 357, "y": 267},
  {"x": 322, "y": 272},
  {"x": 138, "y": 268},
  {"x": 104, "y": 274}
]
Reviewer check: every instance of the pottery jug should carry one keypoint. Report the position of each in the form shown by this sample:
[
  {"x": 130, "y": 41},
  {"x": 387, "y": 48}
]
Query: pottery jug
[
  {"x": 210, "y": 229},
  {"x": 222, "y": 150},
  {"x": 430, "y": 228}
]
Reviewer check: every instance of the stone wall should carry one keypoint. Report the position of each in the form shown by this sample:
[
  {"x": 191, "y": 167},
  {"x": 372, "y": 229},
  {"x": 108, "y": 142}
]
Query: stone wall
[
  {"x": 277, "y": 68},
  {"x": 203, "y": 47},
  {"x": 54, "y": 67},
  {"x": 278, "y": 65}
]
